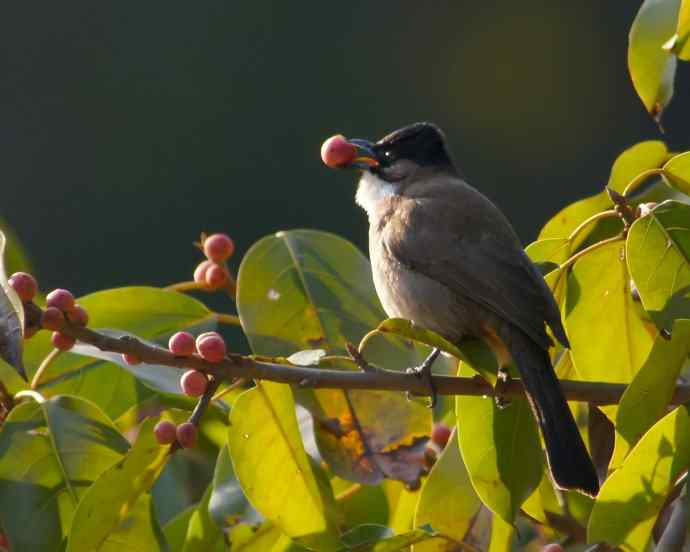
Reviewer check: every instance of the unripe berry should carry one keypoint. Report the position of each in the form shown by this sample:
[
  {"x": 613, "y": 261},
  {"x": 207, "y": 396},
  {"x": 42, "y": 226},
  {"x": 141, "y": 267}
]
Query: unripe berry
[
  {"x": 219, "y": 247},
  {"x": 338, "y": 152},
  {"x": 131, "y": 359},
  {"x": 193, "y": 383},
  {"x": 187, "y": 435},
  {"x": 78, "y": 315},
  {"x": 553, "y": 547},
  {"x": 52, "y": 318},
  {"x": 181, "y": 344},
  {"x": 24, "y": 284},
  {"x": 216, "y": 276},
  {"x": 61, "y": 299},
  {"x": 200, "y": 271},
  {"x": 62, "y": 342},
  {"x": 211, "y": 346},
  {"x": 165, "y": 432},
  {"x": 440, "y": 434}
]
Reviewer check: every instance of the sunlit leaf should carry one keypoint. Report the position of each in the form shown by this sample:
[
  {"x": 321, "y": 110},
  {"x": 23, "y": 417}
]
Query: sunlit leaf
[
  {"x": 139, "y": 532},
  {"x": 682, "y": 45},
  {"x": 108, "y": 504},
  {"x": 11, "y": 319},
  {"x": 543, "y": 501},
  {"x": 633, "y": 161},
  {"x": 50, "y": 452},
  {"x": 648, "y": 395},
  {"x": 608, "y": 336},
  {"x": 501, "y": 535},
  {"x": 501, "y": 449},
  {"x": 403, "y": 505},
  {"x": 150, "y": 313},
  {"x": 303, "y": 289},
  {"x": 15, "y": 256},
  {"x": 264, "y": 439},
  {"x": 203, "y": 535},
  {"x": 658, "y": 253},
  {"x": 630, "y": 499},
  {"x": 652, "y": 68},
  {"x": 448, "y": 502},
  {"x": 677, "y": 169}
]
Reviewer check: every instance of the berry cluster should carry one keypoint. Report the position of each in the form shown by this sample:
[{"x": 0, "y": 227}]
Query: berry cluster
[
  {"x": 60, "y": 306},
  {"x": 213, "y": 273},
  {"x": 209, "y": 345},
  {"x": 167, "y": 433}
]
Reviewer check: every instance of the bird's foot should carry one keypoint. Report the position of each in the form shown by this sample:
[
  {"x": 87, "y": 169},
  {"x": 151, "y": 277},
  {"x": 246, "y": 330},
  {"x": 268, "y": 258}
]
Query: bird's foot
[
  {"x": 423, "y": 371},
  {"x": 502, "y": 381}
]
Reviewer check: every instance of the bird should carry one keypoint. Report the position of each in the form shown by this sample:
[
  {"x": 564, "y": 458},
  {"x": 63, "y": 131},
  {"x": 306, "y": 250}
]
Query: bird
[{"x": 446, "y": 258}]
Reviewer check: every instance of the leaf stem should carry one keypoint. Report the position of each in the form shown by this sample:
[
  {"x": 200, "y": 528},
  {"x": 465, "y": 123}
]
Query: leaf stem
[
  {"x": 185, "y": 286},
  {"x": 589, "y": 249},
  {"x": 348, "y": 493},
  {"x": 47, "y": 361}
]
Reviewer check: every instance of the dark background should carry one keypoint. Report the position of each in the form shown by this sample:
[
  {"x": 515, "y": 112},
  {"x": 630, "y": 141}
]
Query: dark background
[{"x": 126, "y": 128}]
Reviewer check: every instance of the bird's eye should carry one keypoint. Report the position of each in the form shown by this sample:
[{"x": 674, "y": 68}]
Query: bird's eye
[{"x": 388, "y": 154}]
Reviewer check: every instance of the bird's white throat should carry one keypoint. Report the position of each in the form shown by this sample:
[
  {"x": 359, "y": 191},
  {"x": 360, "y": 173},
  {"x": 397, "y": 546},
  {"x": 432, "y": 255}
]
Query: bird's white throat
[{"x": 371, "y": 191}]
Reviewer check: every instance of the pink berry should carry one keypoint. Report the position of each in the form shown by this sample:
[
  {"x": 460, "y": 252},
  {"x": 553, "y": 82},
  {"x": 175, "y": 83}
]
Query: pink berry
[
  {"x": 24, "y": 284},
  {"x": 131, "y": 359},
  {"x": 216, "y": 276},
  {"x": 200, "y": 271},
  {"x": 440, "y": 434},
  {"x": 62, "y": 342},
  {"x": 166, "y": 432},
  {"x": 219, "y": 247},
  {"x": 211, "y": 346},
  {"x": 553, "y": 547},
  {"x": 61, "y": 299},
  {"x": 338, "y": 152},
  {"x": 193, "y": 383},
  {"x": 187, "y": 435},
  {"x": 182, "y": 344},
  {"x": 78, "y": 315},
  {"x": 52, "y": 318}
]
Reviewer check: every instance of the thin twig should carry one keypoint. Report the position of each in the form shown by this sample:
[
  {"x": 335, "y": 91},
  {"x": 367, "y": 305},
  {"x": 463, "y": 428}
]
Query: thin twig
[
  {"x": 47, "y": 361},
  {"x": 229, "y": 319},
  {"x": 604, "y": 214},
  {"x": 239, "y": 366},
  {"x": 186, "y": 286},
  {"x": 359, "y": 359},
  {"x": 589, "y": 249},
  {"x": 639, "y": 179}
]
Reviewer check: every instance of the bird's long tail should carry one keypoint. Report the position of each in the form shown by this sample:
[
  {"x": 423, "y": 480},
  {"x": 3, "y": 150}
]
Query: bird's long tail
[{"x": 569, "y": 461}]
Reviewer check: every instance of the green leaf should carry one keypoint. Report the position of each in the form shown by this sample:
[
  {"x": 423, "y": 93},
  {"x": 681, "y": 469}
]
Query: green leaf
[
  {"x": 542, "y": 501},
  {"x": 11, "y": 319},
  {"x": 448, "y": 502},
  {"x": 682, "y": 45},
  {"x": 139, "y": 532},
  {"x": 630, "y": 499},
  {"x": 633, "y": 161},
  {"x": 108, "y": 504},
  {"x": 377, "y": 538},
  {"x": 264, "y": 439},
  {"x": 609, "y": 338},
  {"x": 677, "y": 169},
  {"x": 648, "y": 395},
  {"x": 303, "y": 289},
  {"x": 227, "y": 504},
  {"x": 501, "y": 535},
  {"x": 150, "y": 313},
  {"x": 658, "y": 253},
  {"x": 501, "y": 449},
  {"x": 15, "y": 256},
  {"x": 652, "y": 68},
  {"x": 203, "y": 535},
  {"x": 175, "y": 530},
  {"x": 50, "y": 452}
]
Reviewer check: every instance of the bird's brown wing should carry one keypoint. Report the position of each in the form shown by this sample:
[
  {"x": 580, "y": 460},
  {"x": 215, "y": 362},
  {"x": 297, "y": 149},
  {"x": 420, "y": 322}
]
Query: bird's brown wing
[{"x": 475, "y": 253}]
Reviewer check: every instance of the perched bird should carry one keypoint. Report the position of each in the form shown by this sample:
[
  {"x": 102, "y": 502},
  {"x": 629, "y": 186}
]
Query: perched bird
[{"x": 445, "y": 257}]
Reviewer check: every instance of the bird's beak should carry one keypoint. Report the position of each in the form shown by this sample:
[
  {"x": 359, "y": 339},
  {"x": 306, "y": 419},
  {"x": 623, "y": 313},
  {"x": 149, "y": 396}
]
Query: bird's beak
[{"x": 366, "y": 158}]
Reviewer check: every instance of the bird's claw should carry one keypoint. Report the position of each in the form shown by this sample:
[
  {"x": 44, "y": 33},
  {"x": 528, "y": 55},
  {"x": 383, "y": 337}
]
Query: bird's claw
[
  {"x": 502, "y": 381},
  {"x": 423, "y": 371}
]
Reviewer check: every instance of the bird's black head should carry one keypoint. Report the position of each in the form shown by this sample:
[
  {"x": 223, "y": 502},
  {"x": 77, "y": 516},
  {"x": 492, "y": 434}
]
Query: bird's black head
[{"x": 401, "y": 152}]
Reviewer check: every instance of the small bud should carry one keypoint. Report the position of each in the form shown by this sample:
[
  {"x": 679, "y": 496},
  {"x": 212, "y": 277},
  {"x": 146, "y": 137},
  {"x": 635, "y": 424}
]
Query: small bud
[
  {"x": 187, "y": 435},
  {"x": 182, "y": 344},
  {"x": 440, "y": 434},
  {"x": 24, "y": 284},
  {"x": 193, "y": 383},
  {"x": 61, "y": 299},
  {"x": 52, "y": 318},
  {"x": 62, "y": 342},
  {"x": 166, "y": 432},
  {"x": 219, "y": 247}
]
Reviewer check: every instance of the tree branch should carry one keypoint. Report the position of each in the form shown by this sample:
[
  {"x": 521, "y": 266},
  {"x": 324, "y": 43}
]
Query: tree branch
[{"x": 239, "y": 366}]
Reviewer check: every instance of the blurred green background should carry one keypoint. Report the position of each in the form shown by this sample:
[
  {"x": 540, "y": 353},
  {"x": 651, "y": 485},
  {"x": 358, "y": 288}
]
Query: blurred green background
[{"x": 127, "y": 128}]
